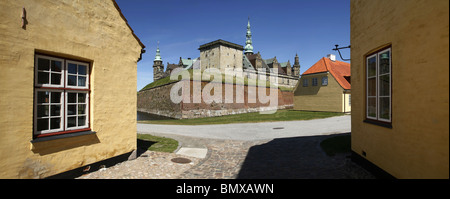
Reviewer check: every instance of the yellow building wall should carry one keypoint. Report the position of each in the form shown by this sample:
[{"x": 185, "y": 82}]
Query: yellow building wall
[
  {"x": 417, "y": 146},
  {"x": 90, "y": 31},
  {"x": 319, "y": 98}
]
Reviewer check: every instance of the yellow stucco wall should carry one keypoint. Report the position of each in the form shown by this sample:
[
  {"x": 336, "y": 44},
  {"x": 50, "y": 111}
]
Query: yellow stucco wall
[
  {"x": 90, "y": 31},
  {"x": 417, "y": 146},
  {"x": 319, "y": 98}
]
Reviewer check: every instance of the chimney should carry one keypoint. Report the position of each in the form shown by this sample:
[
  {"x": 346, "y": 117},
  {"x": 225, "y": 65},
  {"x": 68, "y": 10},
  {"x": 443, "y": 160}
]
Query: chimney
[{"x": 331, "y": 57}]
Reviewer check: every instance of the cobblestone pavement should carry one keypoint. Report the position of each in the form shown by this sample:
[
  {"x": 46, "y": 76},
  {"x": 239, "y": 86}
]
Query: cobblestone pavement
[
  {"x": 283, "y": 158},
  {"x": 149, "y": 165},
  {"x": 299, "y": 158}
]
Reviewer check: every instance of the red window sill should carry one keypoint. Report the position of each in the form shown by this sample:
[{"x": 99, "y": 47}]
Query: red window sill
[{"x": 61, "y": 135}]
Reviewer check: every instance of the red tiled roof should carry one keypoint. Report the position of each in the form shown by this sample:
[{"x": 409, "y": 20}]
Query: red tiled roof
[{"x": 338, "y": 69}]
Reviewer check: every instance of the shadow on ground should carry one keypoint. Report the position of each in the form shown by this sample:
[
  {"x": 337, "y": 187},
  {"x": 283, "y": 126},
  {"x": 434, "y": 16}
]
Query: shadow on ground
[
  {"x": 298, "y": 158},
  {"x": 142, "y": 146}
]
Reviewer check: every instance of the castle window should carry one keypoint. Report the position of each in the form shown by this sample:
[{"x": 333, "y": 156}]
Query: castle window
[
  {"x": 61, "y": 96},
  {"x": 305, "y": 82}
]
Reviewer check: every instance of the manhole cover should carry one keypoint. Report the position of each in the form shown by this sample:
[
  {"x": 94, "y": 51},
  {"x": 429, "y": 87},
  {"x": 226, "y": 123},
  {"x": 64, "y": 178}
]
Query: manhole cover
[
  {"x": 277, "y": 128},
  {"x": 181, "y": 160}
]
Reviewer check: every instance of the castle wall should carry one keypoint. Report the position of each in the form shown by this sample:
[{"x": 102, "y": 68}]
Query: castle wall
[{"x": 157, "y": 101}]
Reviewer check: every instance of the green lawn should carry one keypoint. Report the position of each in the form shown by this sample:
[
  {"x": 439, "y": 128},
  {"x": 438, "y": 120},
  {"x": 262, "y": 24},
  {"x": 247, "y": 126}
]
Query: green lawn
[
  {"x": 155, "y": 143},
  {"x": 280, "y": 115},
  {"x": 245, "y": 80}
]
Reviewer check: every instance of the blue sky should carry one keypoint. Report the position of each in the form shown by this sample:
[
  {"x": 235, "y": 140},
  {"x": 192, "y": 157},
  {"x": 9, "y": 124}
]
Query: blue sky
[{"x": 280, "y": 28}]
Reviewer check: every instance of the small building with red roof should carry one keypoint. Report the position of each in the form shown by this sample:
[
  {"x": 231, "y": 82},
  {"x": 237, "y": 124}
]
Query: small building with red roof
[{"x": 325, "y": 86}]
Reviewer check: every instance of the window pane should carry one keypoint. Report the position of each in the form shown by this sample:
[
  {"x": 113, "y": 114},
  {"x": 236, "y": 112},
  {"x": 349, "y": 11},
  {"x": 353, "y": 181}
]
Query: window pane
[
  {"x": 372, "y": 87},
  {"x": 72, "y": 97},
  {"x": 72, "y": 80},
  {"x": 384, "y": 107},
  {"x": 384, "y": 62},
  {"x": 55, "y": 123},
  {"x": 81, "y": 97},
  {"x": 72, "y": 68},
  {"x": 42, "y": 110},
  {"x": 324, "y": 81},
  {"x": 81, "y": 109},
  {"x": 43, "y": 96},
  {"x": 43, "y": 64},
  {"x": 55, "y": 110},
  {"x": 372, "y": 66},
  {"x": 56, "y": 66},
  {"x": 385, "y": 85},
  {"x": 71, "y": 109},
  {"x": 56, "y": 79},
  {"x": 56, "y": 97},
  {"x": 43, "y": 78},
  {"x": 372, "y": 107},
  {"x": 42, "y": 124},
  {"x": 71, "y": 122},
  {"x": 81, "y": 69},
  {"x": 81, "y": 120},
  {"x": 81, "y": 81}
]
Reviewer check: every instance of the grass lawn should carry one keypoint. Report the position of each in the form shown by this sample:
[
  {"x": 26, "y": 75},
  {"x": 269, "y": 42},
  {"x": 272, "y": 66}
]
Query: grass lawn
[
  {"x": 337, "y": 144},
  {"x": 155, "y": 143},
  {"x": 280, "y": 115}
]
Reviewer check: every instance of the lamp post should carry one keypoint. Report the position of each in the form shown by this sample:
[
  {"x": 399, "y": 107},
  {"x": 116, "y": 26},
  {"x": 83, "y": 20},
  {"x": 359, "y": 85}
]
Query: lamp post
[{"x": 338, "y": 49}]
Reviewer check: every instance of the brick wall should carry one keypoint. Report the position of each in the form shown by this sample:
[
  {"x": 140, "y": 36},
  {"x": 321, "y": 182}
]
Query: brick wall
[{"x": 157, "y": 101}]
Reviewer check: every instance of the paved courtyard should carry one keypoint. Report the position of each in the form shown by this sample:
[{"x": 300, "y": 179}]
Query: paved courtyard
[{"x": 244, "y": 151}]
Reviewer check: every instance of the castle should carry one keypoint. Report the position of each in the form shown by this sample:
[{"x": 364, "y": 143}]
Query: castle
[{"x": 225, "y": 55}]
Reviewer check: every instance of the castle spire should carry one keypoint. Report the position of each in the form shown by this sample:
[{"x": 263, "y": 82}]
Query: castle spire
[
  {"x": 158, "y": 54},
  {"x": 248, "y": 42}
]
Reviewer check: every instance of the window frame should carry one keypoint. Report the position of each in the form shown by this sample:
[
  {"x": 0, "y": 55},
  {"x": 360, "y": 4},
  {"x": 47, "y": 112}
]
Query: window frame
[
  {"x": 325, "y": 83},
  {"x": 64, "y": 89},
  {"x": 315, "y": 81},
  {"x": 377, "y": 96},
  {"x": 305, "y": 82}
]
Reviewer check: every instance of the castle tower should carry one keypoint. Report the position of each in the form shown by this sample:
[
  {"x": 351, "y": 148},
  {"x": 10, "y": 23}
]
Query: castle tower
[
  {"x": 248, "y": 50},
  {"x": 296, "y": 66},
  {"x": 158, "y": 67}
]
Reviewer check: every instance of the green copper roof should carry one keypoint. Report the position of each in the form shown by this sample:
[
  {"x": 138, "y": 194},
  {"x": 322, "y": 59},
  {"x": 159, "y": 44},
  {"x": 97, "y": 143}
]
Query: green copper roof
[
  {"x": 248, "y": 42},
  {"x": 158, "y": 54}
]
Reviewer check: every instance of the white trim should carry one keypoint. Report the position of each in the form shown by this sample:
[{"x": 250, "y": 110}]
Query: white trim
[
  {"x": 367, "y": 87},
  {"x": 36, "y": 71},
  {"x": 390, "y": 85},
  {"x": 377, "y": 84},
  {"x": 63, "y": 88},
  {"x": 76, "y": 110},
  {"x": 77, "y": 75},
  {"x": 61, "y": 114}
]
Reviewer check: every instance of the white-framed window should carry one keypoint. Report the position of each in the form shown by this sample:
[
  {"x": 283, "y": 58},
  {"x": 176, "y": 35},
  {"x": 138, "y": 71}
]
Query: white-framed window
[
  {"x": 379, "y": 86},
  {"x": 325, "y": 81},
  {"x": 314, "y": 81},
  {"x": 48, "y": 110},
  {"x": 349, "y": 100},
  {"x": 305, "y": 82},
  {"x": 77, "y": 74},
  {"x": 49, "y": 72},
  {"x": 61, "y": 96},
  {"x": 77, "y": 107}
]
